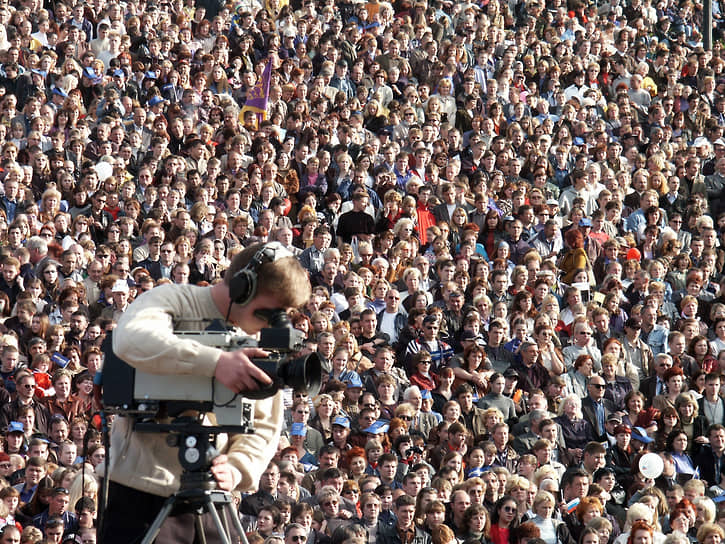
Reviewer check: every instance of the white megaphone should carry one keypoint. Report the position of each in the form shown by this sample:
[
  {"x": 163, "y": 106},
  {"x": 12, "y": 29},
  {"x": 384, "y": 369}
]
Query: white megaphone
[{"x": 651, "y": 465}]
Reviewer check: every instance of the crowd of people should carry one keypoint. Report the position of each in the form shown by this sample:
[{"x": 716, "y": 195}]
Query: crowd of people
[{"x": 512, "y": 215}]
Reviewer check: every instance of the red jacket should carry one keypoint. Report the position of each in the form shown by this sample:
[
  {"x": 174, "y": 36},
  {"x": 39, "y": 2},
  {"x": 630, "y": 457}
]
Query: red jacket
[{"x": 425, "y": 221}]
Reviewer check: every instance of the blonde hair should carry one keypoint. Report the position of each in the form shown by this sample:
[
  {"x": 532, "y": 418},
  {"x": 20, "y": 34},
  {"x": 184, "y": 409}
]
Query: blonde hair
[
  {"x": 320, "y": 398},
  {"x": 493, "y": 411},
  {"x": 515, "y": 482},
  {"x": 544, "y": 472},
  {"x": 639, "y": 511},
  {"x": 85, "y": 484},
  {"x": 544, "y": 496}
]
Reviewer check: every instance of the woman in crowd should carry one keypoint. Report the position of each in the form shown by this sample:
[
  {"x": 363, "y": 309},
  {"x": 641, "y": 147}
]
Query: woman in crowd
[
  {"x": 503, "y": 520},
  {"x": 674, "y": 379},
  {"x": 577, "y": 431},
  {"x": 692, "y": 423},
  {"x": 678, "y": 446},
  {"x": 553, "y": 531}
]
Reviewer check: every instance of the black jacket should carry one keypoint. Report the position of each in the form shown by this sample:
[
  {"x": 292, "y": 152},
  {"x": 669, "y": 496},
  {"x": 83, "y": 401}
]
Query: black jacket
[
  {"x": 620, "y": 461},
  {"x": 712, "y": 469},
  {"x": 648, "y": 387},
  {"x": 389, "y": 535},
  {"x": 590, "y": 414}
]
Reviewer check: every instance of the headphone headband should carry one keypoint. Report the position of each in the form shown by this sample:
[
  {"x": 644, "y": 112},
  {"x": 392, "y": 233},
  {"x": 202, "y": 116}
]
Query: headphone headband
[{"x": 243, "y": 286}]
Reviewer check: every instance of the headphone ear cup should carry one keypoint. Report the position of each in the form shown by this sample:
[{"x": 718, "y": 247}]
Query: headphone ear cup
[{"x": 243, "y": 287}]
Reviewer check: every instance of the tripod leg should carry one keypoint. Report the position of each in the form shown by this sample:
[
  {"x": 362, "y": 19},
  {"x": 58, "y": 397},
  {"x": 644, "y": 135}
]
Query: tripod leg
[
  {"x": 153, "y": 531},
  {"x": 225, "y": 521},
  {"x": 234, "y": 516},
  {"x": 199, "y": 522},
  {"x": 211, "y": 508}
]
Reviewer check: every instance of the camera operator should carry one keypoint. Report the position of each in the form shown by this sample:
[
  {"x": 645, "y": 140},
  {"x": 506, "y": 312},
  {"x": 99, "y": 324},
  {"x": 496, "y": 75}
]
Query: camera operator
[{"x": 144, "y": 470}]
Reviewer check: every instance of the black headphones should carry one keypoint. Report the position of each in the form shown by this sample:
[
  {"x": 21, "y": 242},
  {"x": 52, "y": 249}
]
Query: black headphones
[{"x": 243, "y": 285}]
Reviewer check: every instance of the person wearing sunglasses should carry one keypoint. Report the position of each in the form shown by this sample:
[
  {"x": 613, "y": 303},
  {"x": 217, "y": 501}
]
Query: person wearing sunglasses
[
  {"x": 295, "y": 534},
  {"x": 582, "y": 344},
  {"x": 595, "y": 408},
  {"x": 503, "y": 520}
]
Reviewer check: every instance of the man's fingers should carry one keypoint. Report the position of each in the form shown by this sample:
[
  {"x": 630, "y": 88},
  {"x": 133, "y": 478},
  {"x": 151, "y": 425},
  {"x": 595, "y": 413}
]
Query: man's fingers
[
  {"x": 255, "y": 352},
  {"x": 256, "y": 373},
  {"x": 248, "y": 384},
  {"x": 219, "y": 460}
]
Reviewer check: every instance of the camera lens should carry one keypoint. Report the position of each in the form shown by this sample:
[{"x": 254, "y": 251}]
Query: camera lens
[{"x": 303, "y": 373}]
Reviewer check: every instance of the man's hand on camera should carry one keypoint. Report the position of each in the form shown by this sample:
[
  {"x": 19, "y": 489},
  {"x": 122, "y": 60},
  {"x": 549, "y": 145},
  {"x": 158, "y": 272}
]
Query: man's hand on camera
[
  {"x": 235, "y": 370},
  {"x": 222, "y": 472}
]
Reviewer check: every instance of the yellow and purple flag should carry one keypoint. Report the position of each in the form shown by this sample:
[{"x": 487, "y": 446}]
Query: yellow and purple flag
[{"x": 258, "y": 95}]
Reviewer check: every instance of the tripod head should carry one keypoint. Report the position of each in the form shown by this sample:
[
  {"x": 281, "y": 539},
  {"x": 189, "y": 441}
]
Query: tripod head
[
  {"x": 198, "y": 492},
  {"x": 196, "y": 447}
]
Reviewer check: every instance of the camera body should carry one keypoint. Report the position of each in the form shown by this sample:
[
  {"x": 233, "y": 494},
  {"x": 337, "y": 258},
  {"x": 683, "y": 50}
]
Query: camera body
[{"x": 128, "y": 391}]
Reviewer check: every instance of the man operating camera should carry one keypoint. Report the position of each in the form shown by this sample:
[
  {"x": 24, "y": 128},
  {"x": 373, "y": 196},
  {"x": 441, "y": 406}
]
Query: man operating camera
[{"x": 143, "y": 469}]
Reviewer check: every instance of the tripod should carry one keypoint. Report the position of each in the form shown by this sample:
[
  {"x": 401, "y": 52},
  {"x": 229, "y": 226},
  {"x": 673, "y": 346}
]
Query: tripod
[{"x": 198, "y": 491}]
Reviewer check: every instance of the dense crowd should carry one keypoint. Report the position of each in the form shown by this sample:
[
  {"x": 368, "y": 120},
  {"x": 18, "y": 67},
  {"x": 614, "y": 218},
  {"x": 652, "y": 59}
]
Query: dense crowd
[{"x": 512, "y": 216}]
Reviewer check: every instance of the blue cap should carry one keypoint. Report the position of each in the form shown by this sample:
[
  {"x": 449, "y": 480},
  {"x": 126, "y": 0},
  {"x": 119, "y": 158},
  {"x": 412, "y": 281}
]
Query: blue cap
[
  {"x": 298, "y": 429},
  {"x": 119, "y": 72},
  {"x": 89, "y": 73},
  {"x": 16, "y": 427},
  {"x": 718, "y": 498},
  {"x": 342, "y": 421},
  {"x": 585, "y": 222},
  {"x": 155, "y": 100},
  {"x": 379, "y": 427},
  {"x": 638, "y": 433},
  {"x": 60, "y": 92},
  {"x": 354, "y": 381},
  {"x": 425, "y": 394},
  {"x": 42, "y": 73},
  {"x": 150, "y": 75}
]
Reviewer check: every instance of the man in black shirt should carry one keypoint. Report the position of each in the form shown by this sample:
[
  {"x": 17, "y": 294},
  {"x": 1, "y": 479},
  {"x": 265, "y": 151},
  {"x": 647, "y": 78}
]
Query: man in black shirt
[
  {"x": 711, "y": 460},
  {"x": 370, "y": 338},
  {"x": 356, "y": 222}
]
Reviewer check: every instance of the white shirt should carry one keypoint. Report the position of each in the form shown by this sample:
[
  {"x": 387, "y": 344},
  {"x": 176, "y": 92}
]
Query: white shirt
[{"x": 387, "y": 325}]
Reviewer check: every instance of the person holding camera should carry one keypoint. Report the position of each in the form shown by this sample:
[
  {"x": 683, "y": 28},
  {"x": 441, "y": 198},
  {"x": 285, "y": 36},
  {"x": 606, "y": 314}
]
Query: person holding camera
[{"x": 144, "y": 471}]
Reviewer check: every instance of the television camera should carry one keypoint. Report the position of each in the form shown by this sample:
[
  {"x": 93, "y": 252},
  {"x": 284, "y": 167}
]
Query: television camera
[{"x": 131, "y": 392}]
